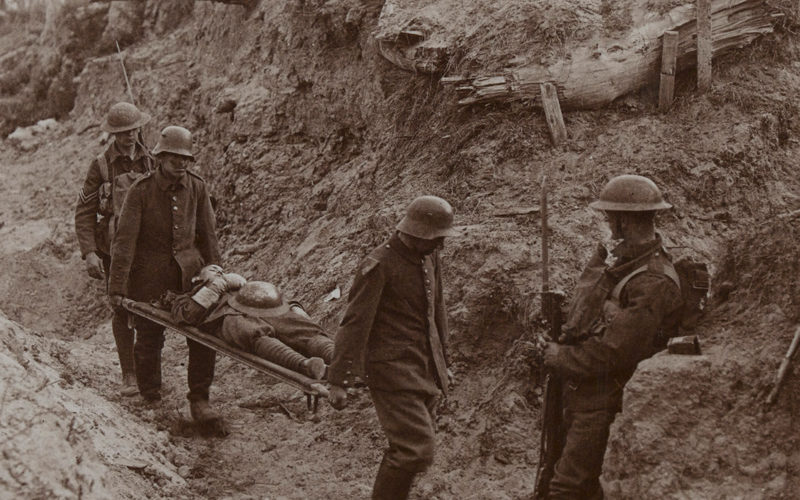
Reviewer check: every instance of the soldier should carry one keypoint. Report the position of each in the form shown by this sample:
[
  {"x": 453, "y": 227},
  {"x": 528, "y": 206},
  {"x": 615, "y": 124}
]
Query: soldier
[
  {"x": 97, "y": 212},
  {"x": 619, "y": 316},
  {"x": 394, "y": 335},
  {"x": 166, "y": 234},
  {"x": 256, "y": 317}
]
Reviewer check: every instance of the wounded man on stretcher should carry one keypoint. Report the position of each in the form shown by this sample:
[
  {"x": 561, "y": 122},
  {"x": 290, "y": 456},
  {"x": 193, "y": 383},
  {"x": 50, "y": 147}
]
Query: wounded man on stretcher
[{"x": 254, "y": 316}]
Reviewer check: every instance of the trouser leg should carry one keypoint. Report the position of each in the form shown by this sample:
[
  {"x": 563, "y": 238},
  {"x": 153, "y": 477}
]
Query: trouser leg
[
  {"x": 577, "y": 472},
  {"x": 407, "y": 419},
  {"x": 391, "y": 483},
  {"x": 123, "y": 338},
  {"x": 279, "y": 353},
  {"x": 201, "y": 370},
  {"x": 321, "y": 347},
  {"x": 147, "y": 357}
]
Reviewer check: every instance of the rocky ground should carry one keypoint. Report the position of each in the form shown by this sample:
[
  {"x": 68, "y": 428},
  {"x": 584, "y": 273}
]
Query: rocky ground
[{"x": 313, "y": 144}]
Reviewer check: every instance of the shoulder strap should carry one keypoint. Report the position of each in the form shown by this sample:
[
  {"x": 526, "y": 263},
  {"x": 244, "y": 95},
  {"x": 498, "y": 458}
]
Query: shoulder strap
[
  {"x": 103, "y": 164},
  {"x": 193, "y": 174},
  {"x": 668, "y": 270}
]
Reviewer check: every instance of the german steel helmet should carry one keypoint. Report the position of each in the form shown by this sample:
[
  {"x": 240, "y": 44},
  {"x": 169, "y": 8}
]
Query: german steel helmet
[
  {"x": 124, "y": 116},
  {"x": 630, "y": 193},
  {"x": 175, "y": 140},
  {"x": 259, "y": 298},
  {"x": 428, "y": 217}
]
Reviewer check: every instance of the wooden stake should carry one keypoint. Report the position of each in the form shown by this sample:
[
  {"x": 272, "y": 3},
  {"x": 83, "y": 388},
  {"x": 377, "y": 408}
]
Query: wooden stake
[
  {"x": 552, "y": 112},
  {"x": 704, "y": 45},
  {"x": 669, "y": 53}
]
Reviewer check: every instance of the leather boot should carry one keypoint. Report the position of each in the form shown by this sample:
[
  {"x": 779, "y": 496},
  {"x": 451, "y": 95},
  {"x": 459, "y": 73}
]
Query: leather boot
[
  {"x": 129, "y": 387},
  {"x": 209, "y": 422},
  {"x": 392, "y": 483},
  {"x": 201, "y": 411},
  {"x": 315, "y": 368}
]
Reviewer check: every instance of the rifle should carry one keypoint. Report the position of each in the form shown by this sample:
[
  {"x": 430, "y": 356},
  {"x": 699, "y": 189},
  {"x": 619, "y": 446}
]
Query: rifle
[
  {"x": 125, "y": 74},
  {"x": 784, "y": 368},
  {"x": 139, "y": 135},
  {"x": 552, "y": 440}
]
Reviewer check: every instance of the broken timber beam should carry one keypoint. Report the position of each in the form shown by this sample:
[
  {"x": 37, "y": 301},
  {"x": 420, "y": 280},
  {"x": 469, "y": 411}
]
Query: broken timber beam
[
  {"x": 552, "y": 113},
  {"x": 669, "y": 54},
  {"x": 593, "y": 77},
  {"x": 703, "y": 45}
]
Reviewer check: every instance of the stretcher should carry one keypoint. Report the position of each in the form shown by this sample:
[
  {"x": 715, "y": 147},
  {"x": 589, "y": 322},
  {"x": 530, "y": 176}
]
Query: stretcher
[{"x": 312, "y": 388}]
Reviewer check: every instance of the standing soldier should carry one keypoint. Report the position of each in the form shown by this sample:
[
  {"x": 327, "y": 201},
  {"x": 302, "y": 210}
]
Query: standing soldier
[
  {"x": 166, "y": 234},
  {"x": 618, "y": 317},
  {"x": 98, "y": 208},
  {"x": 394, "y": 336}
]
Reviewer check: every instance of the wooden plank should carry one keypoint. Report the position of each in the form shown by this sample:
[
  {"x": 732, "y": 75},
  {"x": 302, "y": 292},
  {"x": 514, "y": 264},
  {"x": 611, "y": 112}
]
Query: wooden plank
[
  {"x": 552, "y": 112},
  {"x": 704, "y": 46},
  {"x": 669, "y": 55},
  {"x": 587, "y": 81}
]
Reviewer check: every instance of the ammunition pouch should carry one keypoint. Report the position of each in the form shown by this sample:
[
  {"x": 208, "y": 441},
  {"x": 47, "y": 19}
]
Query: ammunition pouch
[
  {"x": 104, "y": 199},
  {"x": 103, "y": 235}
]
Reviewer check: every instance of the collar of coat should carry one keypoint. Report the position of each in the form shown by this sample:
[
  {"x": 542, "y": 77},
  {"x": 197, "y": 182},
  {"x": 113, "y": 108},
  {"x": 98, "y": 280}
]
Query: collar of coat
[
  {"x": 407, "y": 253},
  {"x": 165, "y": 184},
  {"x": 630, "y": 256}
]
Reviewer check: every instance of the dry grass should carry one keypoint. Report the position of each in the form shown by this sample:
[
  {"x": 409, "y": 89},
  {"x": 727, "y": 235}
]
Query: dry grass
[{"x": 762, "y": 264}]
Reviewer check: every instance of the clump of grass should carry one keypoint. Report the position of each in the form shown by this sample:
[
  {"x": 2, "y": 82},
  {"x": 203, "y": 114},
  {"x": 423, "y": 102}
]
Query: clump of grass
[{"x": 761, "y": 263}]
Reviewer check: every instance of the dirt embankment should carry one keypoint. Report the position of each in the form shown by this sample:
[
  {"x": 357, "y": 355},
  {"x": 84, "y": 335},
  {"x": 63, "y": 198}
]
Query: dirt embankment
[{"x": 313, "y": 144}]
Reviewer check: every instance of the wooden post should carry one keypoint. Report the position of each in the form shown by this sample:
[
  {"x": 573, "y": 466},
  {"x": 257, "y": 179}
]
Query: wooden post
[
  {"x": 669, "y": 53},
  {"x": 552, "y": 112},
  {"x": 703, "y": 8}
]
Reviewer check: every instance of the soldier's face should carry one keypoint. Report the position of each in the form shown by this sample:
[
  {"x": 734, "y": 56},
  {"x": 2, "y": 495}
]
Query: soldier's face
[
  {"x": 125, "y": 139},
  {"x": 426, "y": 247},
  {"x": 174, "y": 166},
  {"x": 614, "y": 220}
]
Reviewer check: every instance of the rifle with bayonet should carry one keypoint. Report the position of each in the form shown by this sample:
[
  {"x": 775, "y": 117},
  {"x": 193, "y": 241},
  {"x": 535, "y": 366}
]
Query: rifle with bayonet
[
  {"x": 139, "y": 135},
  {"x": 552, "y": 439}
]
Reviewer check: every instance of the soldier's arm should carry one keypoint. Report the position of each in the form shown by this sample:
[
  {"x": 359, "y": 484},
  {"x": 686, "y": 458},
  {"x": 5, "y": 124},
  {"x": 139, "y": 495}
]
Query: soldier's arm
[
  {"x": 186, "y": 310},
  {"x": 354, "y": 329},
  {"x": 629, "y": 337},
  {"x": 207, "y": 229},
  {"x": 86, "y": 209},
  {"x": 123, "y": 247}
]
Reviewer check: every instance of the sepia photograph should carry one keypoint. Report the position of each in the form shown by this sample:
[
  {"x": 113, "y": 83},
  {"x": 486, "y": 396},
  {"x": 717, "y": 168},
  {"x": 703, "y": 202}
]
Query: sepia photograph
[{"x": 400, "y": 249}]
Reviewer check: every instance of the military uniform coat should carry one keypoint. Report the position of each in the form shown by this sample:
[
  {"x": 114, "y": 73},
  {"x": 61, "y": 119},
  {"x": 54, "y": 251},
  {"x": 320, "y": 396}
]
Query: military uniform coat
[
  {"x": 394, "y": 332},
  {"x": 596, "y": 368},
  {"x": 166, "y": 233},
  {"x": 91, "y": 226}
]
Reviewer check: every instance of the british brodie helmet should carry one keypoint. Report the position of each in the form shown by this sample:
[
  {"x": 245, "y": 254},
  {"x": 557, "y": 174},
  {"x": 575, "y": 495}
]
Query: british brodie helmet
[
  {"x": 630, "y": 193},
  {"x": 176, "y": 140},
  {"x": 124, "y": 116},
  {"x": 428, "y": 218},
  {"x": 259, "y": 298}
]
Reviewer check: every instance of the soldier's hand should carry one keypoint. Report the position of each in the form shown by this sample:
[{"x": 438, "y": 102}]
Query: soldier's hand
[
  {"x": 234, "y": 281},
  {"x": 451, "y": 379},
  {"x": 337, "y": 397},
  {"x": 94, "y": 266},
  {"x": 551, "y": 354},
  {"x": 218, "y": 285},
  {"x": 115, "y": 301}
]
